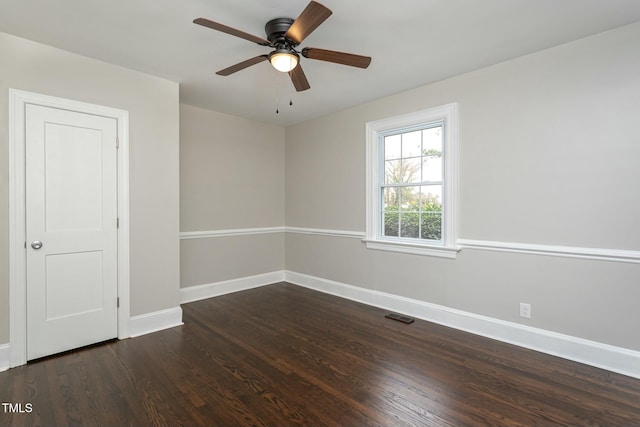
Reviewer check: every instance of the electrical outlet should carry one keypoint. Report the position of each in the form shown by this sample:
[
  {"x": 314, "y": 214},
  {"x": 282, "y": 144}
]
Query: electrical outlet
[{"x": 525, "y": 310}]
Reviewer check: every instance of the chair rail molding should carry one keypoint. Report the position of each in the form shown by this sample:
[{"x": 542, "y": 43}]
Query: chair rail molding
[
  {"x": 599, "y": 254},
  {"x": 185, "y": 235}
]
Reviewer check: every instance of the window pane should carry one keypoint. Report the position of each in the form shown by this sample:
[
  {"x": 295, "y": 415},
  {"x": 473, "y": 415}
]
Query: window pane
[
  {"x": 411, "y": 170},
  {"x": 409, "y": 197},
  {"x": 391, "y": 198},
  {"x": 393, "y": 171},
  {"x": 431, "y": 225},
  {"x": 392, "y": 147},
  {"x": 431, "y": 168},
  {"x": 432, "y": 152},
  {"x": 432, "y": 141},
  {"x": 391, "y": 224},
  {"x": 431, "y": 212},
  {"x": 431, "y": 198},
  {"x": 411, "y": 144},
  {"x": 409, "y": 224}
]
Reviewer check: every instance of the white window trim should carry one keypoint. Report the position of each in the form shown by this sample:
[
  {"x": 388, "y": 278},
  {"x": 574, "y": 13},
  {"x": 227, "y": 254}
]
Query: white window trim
[{"x": 448, "y": 248}]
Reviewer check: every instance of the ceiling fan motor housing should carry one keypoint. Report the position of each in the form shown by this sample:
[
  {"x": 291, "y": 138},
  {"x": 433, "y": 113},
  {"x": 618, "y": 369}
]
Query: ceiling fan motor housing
[{"x": 276, "y": 29}]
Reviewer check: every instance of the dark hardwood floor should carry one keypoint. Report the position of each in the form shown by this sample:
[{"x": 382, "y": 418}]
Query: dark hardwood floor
[{"x": 285, "y": 355}]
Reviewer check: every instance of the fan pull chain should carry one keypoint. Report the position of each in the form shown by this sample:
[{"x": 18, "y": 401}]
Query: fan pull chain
[
  {"x": 290, "y": 96},
  {"x": 279, "y": 89},
  {"x": 278, "y": 104}
]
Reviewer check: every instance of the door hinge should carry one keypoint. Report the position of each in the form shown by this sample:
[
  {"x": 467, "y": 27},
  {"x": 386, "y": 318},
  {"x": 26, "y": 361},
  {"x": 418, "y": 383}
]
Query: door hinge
[
  {"x": 118, "y": 302},
  {"x": 117, "y": 222},
  {"x": 117, "y": 142}
]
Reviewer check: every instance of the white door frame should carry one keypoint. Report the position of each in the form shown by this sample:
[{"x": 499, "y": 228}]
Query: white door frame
[{"x": 17, "y": 228}]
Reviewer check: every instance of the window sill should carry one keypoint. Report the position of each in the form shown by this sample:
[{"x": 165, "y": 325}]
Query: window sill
[{"x": 412, "y": 248}]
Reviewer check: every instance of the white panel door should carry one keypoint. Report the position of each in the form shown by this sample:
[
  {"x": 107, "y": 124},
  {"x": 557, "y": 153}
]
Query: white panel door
[{"x": 71, "y": 229}]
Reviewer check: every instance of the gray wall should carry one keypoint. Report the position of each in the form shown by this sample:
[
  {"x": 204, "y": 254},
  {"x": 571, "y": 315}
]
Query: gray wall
[
  {"x": 154, "y": 159},
  {"x": 231, "y": 177},
  {"x": 549, "y": 149}
]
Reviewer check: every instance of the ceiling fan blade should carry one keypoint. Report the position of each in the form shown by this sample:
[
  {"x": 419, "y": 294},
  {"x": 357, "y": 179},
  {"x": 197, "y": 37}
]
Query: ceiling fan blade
[
  {"x": 232, "y": 31},
  {"x": 242, "y": 65},
  {"x": 311, "y": 17},
  {"x": 299, "y": 79},
  {"x": 337, "y": 57}
]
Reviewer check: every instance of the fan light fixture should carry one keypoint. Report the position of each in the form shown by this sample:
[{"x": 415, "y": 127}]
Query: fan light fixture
[{"x": 284, "y": 60}]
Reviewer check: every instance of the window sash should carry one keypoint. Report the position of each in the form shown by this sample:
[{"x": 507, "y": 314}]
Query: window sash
[{"x": 381, "y": 184}]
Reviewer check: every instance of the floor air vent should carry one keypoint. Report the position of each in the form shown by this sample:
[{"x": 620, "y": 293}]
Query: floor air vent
[{"x": 400, "y": 318}]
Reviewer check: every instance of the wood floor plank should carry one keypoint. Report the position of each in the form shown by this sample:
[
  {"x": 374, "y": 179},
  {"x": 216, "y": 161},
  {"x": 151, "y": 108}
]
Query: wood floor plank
[{"x": 283, "y": 355}]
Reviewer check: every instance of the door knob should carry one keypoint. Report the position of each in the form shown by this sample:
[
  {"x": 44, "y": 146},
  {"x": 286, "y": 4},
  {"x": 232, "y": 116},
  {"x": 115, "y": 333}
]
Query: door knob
[{"x": 36, "y": 244}]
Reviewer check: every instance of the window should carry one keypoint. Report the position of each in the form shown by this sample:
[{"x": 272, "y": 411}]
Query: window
[{"x": 412, "y": 182}]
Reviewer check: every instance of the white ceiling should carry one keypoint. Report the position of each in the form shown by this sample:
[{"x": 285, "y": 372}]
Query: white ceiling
[{"x": 412, "y": 43}]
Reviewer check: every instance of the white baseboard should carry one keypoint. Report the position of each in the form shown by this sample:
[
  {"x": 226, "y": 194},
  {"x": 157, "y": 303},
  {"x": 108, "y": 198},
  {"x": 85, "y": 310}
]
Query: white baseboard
[
  {"x": 615, "y": 359},
  {"x": 200, "y": 292},
  {"x": 5, "y": 359},
  {"x": 156, "y": 321}
]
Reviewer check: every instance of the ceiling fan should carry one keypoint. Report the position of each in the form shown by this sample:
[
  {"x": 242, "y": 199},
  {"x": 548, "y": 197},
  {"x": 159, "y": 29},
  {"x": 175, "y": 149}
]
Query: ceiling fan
[{"x": 284, "y": 35}]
